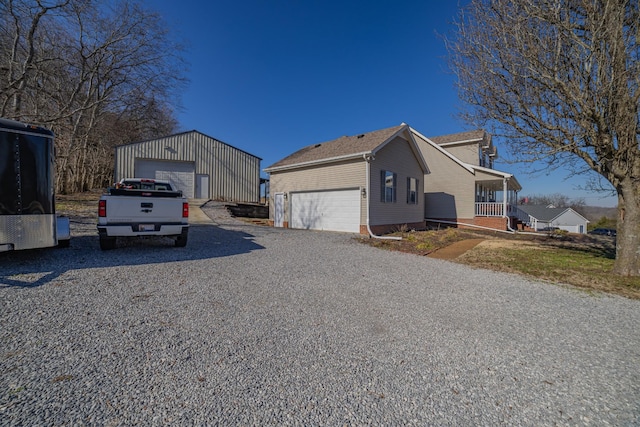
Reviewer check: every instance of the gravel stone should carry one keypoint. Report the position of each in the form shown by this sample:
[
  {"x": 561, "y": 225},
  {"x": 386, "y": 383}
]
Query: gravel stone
[{"x": 252, "y": 325}]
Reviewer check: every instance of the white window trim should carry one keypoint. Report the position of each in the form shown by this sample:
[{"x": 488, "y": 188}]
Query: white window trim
[
  {"x": 383, "y": 186},
  {"x": 409, "y": 191}
]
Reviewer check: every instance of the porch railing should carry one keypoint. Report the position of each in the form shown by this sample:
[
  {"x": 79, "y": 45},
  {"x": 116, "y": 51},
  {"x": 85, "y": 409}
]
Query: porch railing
[
  {"x": 490, "y": 209},
  {"x": 497, "y": 209}
]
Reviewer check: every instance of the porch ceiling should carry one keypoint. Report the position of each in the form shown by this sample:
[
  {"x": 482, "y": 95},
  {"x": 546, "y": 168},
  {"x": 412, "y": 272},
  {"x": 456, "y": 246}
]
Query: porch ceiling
[{"x": 497, "y": 185}]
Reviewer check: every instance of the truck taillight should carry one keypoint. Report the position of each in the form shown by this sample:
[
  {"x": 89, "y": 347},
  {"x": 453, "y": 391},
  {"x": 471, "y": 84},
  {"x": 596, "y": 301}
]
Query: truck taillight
[
  {"x": 185, "y": 210},
  {"x": 102, "y": 208}
]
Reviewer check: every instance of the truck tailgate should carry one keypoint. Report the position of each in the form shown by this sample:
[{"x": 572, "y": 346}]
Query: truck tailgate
[{"x": 144, "y": 209}]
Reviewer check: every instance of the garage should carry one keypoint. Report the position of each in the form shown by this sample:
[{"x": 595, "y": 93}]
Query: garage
[
  {"x": 180, "y": 174},
  {"x": 337, "y": 210},
  {"x": 199, "y": 165}
]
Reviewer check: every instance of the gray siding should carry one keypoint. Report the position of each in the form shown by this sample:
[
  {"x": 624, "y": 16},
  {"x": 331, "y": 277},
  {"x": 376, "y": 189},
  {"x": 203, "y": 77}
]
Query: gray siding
[
  {"x": 396, "y": 157},
  {"x": 570, "y": 221},
  {"x": 449, "y": 188},
  {"x": 234, "y": 175},
  {"x": 468, "y": 152}
]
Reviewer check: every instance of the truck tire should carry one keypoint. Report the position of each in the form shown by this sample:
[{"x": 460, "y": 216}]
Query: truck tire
[
  {"x": 107, "y": 243},
  {"x": 181, "y": 239}
]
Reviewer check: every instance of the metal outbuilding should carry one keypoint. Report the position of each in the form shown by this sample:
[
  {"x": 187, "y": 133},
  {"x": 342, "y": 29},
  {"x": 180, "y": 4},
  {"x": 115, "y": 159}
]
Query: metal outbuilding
[{"x": 199, "y": 165}]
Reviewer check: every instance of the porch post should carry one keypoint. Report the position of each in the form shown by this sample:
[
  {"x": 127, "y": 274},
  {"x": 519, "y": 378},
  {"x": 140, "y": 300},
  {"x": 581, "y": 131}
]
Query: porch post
[{"x": 506, "y": 196}]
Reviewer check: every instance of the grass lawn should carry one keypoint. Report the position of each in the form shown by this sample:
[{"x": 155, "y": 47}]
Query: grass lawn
[{"x": 579, "y": 260}]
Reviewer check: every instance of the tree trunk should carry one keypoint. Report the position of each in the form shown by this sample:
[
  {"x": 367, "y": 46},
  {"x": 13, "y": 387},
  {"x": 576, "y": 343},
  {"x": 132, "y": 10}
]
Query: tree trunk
[{"x": 628, "y": 230}]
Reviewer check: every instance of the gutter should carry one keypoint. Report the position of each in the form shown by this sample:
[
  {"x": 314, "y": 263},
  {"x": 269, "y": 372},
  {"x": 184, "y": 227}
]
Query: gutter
[
  {"x": 368, "y": 158},
  {"x": 316, "y": 162}
]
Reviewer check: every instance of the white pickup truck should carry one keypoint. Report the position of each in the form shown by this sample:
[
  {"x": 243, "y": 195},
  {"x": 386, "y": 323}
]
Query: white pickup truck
[{"x": 139, "y": 207}]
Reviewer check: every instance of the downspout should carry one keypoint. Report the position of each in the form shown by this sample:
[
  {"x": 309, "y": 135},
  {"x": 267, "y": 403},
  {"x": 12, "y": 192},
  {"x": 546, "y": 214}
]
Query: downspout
[
  {"x": 505, "y": 188},
  {"x": 368, "y": 158}
]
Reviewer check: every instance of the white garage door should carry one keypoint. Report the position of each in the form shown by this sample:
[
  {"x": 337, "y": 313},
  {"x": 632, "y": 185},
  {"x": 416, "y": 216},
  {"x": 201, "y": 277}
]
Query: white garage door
[
  {"x": 181, "y": 174},
  {"x": 326, "y": 210}
]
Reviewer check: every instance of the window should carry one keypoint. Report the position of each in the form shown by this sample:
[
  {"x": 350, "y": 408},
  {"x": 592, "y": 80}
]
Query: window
[
  {"x": 412, "y": 191},
  {"x": 388, "y": 181}
]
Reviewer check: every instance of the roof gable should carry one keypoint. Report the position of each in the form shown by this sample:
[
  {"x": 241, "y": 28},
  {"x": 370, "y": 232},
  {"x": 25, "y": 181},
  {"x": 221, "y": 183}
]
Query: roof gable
[
  {"x": 343, "y": 148},
  {"x": 444, "y": 152},
  {"x": 460, "y": 137}
]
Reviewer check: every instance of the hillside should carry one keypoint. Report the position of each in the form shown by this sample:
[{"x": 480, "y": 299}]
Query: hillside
[{"x": 594, "y": 213}]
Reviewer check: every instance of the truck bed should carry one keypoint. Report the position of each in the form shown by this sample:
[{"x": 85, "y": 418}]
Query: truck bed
[{"x": 135, "y": 212}]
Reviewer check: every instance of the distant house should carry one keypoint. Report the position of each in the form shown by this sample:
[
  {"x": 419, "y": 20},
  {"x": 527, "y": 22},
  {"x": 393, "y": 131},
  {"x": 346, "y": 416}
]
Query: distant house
[
  {"x": 543, "y": 218},
  {"x": 379, "y": 181}
]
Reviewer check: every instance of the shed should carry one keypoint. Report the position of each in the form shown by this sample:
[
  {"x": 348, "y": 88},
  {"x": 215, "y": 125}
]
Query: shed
[
  {"x": 201, "y": 166},
  {"x": 542, "y": 218}
]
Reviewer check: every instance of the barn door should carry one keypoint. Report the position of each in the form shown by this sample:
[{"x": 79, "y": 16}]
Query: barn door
[{"x": 202, "y": 186}]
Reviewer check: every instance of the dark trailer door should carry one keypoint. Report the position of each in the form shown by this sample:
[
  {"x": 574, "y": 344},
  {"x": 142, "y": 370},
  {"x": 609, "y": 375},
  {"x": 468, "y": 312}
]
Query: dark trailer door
[{"x": 27, "y": 209}]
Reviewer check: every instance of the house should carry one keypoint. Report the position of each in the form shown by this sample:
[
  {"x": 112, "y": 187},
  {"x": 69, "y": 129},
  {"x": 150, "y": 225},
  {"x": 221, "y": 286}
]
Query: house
[
  {"x": 199, "y": 165},
  {"x": 543, "y": 218},
  {"x": 368, "y": 183},
  {"x": 392, "y": 178},
  {"x": 463, "y": 188}
]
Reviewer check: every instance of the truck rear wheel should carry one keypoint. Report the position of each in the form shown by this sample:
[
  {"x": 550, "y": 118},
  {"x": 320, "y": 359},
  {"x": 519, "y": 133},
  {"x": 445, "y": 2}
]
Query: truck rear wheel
[
  {"x": 181, "y": 240},
  {"x": 107, "y": 243}
]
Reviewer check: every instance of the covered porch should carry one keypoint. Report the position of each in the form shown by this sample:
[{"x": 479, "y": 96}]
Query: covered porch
[{"x": 498, "y": 197}]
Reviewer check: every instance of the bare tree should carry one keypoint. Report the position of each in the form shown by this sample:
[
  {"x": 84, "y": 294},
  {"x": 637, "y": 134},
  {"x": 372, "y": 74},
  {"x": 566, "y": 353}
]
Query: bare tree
[
  {"x": 558, "y": 81},
  {"x": 558, "y": 200},
  {"x": 81, "y": 66},
  {"x": 20, "y": 49}
]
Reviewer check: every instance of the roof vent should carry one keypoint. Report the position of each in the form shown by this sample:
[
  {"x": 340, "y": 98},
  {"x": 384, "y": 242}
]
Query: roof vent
[
  {"x": 317, "y": 145},
  {"x": 361, "y": 135}
]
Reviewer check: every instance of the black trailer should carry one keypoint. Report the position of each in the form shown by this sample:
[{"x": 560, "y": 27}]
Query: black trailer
[{"x": 27, "y": 204}]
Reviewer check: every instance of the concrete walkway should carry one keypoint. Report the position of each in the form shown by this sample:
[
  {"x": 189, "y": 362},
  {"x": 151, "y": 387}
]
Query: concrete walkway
[{"x": 196, "y": 216}]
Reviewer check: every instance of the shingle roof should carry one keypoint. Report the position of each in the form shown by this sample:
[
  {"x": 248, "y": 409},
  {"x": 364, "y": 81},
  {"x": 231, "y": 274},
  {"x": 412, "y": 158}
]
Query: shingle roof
[
  {"x": 337, "y": 148},
  {"x": 541, "y": 212},
  {"x": 461, "y": 136}
]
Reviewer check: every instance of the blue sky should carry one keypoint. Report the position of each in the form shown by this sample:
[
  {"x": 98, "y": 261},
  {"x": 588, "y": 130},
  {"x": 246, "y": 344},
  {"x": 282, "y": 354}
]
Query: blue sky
[{"x": 272, "y": 76}]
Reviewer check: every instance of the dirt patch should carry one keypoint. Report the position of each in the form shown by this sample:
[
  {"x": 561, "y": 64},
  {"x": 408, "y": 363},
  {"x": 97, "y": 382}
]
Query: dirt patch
[
  {"x": 456, "y": 249},
  {"x": 427, "y": 242},
  {"x": 80, "y": 207},
  {"x": 508, "y": 244}
]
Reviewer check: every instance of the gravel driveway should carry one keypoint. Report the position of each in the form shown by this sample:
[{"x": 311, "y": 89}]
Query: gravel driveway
[{"x": 253, "y": 325}]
